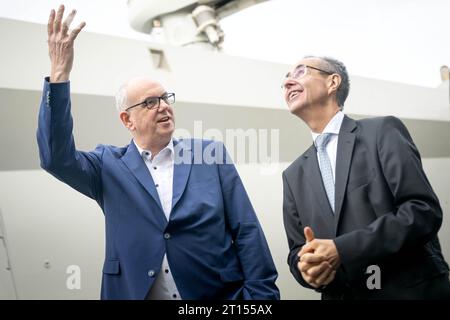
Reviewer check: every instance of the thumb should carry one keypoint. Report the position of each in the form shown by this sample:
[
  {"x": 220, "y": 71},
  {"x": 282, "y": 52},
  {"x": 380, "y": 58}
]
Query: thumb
[{"x": 309, "y": 234}]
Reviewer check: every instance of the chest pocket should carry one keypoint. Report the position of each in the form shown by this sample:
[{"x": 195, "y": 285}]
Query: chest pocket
[
  {"x": 111, "y": 267},
  {"x": 361, "y": 181}
]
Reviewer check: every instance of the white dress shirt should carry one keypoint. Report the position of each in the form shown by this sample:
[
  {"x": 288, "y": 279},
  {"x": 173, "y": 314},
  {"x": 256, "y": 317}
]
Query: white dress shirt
[
  {"x": 161, "y": 170},
  {"x": 332, "y": 127}
]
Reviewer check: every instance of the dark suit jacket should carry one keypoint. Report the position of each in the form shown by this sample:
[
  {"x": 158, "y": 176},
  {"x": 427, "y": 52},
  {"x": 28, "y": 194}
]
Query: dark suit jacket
[
  {"x": 386, "y": 212},
  {"x": 213, "y": 240}
]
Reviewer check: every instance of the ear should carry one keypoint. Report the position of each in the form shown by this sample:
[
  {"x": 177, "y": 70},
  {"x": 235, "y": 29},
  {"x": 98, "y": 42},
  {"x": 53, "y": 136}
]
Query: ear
[
  {"x": 334, "y": 82},
  {"x": 125, "y": 118}
]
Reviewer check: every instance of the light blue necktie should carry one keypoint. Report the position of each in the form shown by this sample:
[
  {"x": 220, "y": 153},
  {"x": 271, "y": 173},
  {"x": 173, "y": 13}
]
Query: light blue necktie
[{"x": 325, "y": 166}]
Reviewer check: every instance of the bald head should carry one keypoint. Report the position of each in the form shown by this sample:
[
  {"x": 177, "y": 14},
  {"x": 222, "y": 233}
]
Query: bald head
[{"x": 132, "y": 89}]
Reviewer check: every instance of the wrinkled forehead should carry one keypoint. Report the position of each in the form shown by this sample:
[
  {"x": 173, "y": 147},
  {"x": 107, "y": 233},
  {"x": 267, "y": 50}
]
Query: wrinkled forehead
[{"x": 140, "y": 88}]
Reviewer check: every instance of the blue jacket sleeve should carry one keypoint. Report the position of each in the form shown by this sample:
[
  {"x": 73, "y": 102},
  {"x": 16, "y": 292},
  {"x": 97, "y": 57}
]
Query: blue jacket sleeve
[
  {"x": 57, "y": 152},
  {"x": 251, "y": 245}
]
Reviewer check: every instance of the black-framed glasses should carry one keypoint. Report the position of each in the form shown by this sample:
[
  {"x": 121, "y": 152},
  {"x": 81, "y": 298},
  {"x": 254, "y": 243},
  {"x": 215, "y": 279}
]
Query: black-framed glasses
[{"x": 153, "y": 102}]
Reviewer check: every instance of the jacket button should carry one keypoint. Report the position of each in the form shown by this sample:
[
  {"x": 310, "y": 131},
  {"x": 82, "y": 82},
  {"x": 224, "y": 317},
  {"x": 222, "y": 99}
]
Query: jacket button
[
  {"x": 151, "y": 273},
  {"x": 167, "y": 235}
]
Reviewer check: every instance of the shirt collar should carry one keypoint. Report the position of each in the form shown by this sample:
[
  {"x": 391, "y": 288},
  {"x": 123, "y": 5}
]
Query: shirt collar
[
  {"x": 147, "y": 154},
  {"x": 333, "y": 126}
]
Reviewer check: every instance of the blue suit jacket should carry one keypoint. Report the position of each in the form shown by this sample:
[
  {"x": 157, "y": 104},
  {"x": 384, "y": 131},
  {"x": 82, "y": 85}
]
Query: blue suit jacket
[{"x": 213, "y": 240}]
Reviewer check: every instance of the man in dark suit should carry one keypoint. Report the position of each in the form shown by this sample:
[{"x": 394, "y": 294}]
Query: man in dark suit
[
  {"x": 179, "y": 224},
  {"x": 360, "y": 215}
]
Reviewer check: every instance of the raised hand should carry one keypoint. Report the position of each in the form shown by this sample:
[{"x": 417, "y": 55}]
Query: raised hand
[{"x": 60, "y": 44}]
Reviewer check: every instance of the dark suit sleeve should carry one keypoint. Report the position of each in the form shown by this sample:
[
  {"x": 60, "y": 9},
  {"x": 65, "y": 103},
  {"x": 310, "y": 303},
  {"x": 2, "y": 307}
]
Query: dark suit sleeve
[
  {"x": 294, "y": 231},
  {"x": 417, "y": 216},
  {"x": 58, "y": 155},
  {"x": 251, "y": 245}
]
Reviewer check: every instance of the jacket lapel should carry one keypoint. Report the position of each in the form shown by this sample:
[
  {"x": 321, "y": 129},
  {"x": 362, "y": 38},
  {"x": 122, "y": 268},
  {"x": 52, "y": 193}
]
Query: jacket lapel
[
  {"x": 183, "y": 158},
  {"x": 136, "y": 164},
  {"x": 344, "y": 155}
]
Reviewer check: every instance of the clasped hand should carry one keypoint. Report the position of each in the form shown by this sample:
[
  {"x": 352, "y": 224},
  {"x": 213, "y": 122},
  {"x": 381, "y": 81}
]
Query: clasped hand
[{"x": 318, "y": 260}]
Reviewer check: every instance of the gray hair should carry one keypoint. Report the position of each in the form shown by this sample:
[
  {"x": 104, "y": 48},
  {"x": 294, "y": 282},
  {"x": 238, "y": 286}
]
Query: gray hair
[
  {"x": 335, "y": 66},
  {"x": 122, "y": 97}
]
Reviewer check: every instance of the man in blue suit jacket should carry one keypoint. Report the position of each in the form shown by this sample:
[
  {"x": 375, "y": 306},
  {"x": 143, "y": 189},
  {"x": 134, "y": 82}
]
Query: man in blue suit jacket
[{"x": 178, "y": 226}]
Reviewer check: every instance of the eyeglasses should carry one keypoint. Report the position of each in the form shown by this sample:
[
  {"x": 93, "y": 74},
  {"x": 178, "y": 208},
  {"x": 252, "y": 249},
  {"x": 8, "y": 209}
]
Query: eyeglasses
[
  {"x": 154, "y": 102},
  {"x": 300, "y": 71}
]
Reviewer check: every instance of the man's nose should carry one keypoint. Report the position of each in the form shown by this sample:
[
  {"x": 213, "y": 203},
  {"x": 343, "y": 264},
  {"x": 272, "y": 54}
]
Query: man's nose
[
  {"x": 163, "y": 106},
  {"x": 288, "y": 83}
]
